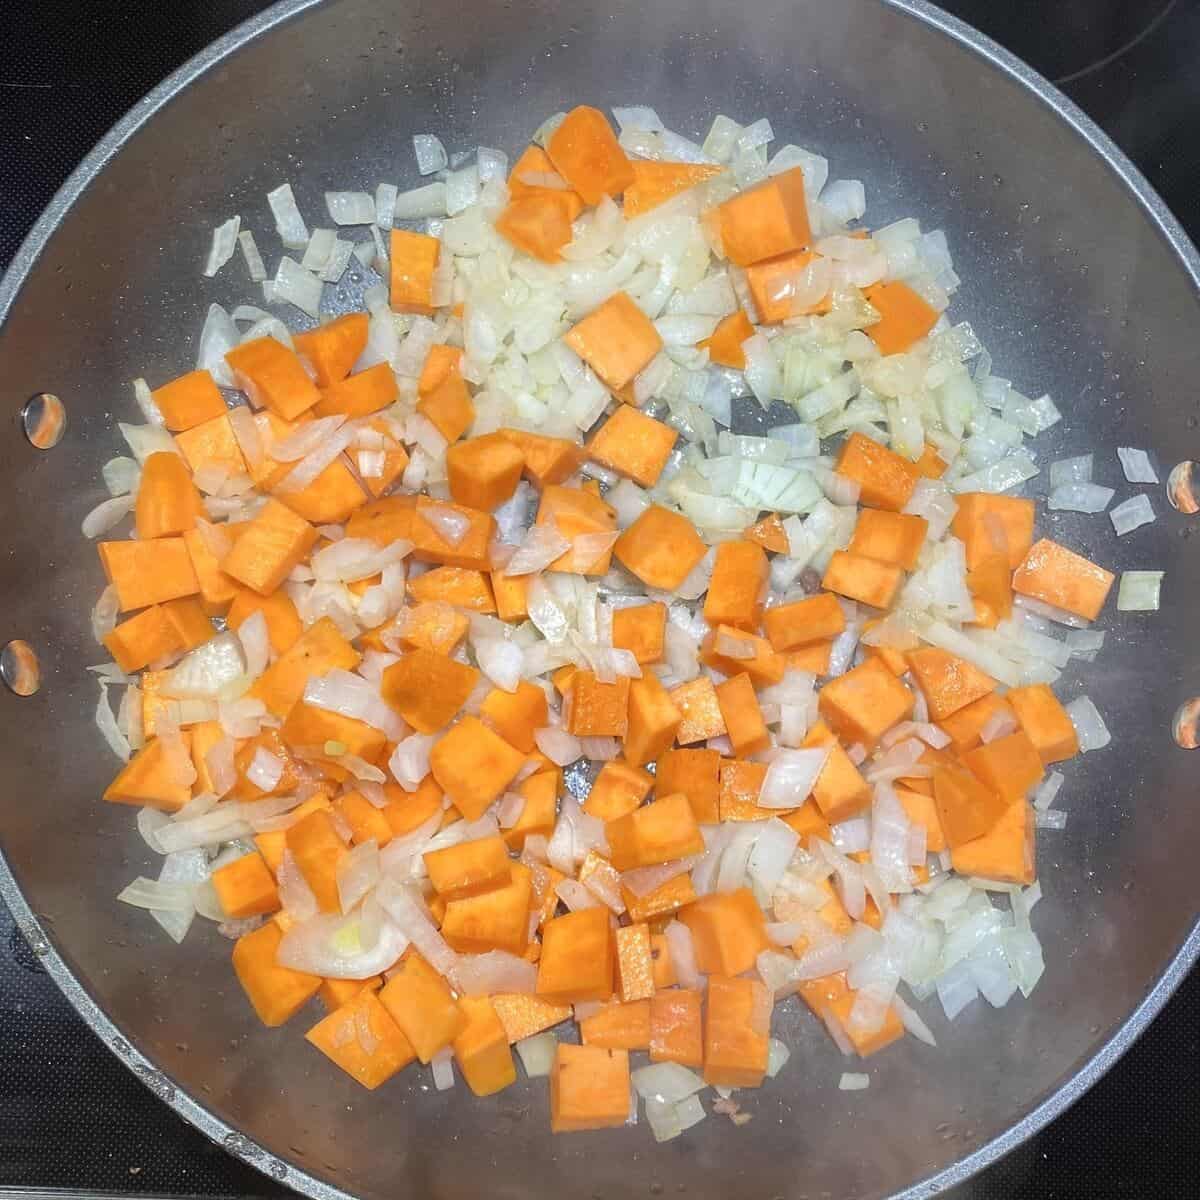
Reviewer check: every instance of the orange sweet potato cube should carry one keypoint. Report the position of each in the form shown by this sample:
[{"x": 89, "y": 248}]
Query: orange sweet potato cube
[
  {"x": 539, "y": 222},
  {"x": 470, "y": 552},
  {"x": 641, "y": 629},
  {"x": 616, "y": 340},
  {"x": 332, "y": 349},
  {"x": 246, "y": 887},
  {"x": 840, "y": 791},
  {"x": 523, "y": 1015},
  {"x": 765, "y": 221},
  {"x": 167, "y": 499},
  {"x": 654, "y": 183},
  {"x": 273, "y": 377},
  {"x": 483, "y": 472},
  {"x": 414, "y": 258},
  {"x": 664, "y": 968},
  {"x": 618, "y": 790},
  {"x": 461, "y": 587},
  {"x": 148, "y": 572},
  {"x": 317, "y": 848},
  {"x": 744, "y": 724},
  {"x": 1055, "y": 575},
  {"x": 589, "y": 1088},
  {"x": 469, "y": 867},
  {"x": 965, "y": 726},
  {"x": 773, "y": 284},
  {"x": 495, "y": 920},
  {"x": 573, "y": 512},
  {"x": 886, "y": 480},
  {"x": 516, "y": 716},
  {"x": 728, "y": 931},
  {"x": 862, "y": 705},
  {"x": 599, "y": 709},
  {"x": 327, "y": 500},
  {"x": 701, "y": 712},
  {"x": 217, "y": 590},
  {"x": 725, "y": 346},
  {"x": 586, "y": 153},
  {"x": 635, "y": 962},
  {"x": 367, "y": 823},
  {"x": 769, "y": 533},
  {"x": 481, "y": 1048},
  {"x": 547, "y": 460},
  {"x": 808, "y": 822},
  {"x": 427, "y": 689},
  {"x": 511, "y": 593},
  {"x": 283, "y": 621},
  {"x": 334, "y": 993},
  {"x": 474, "y": 766},
  {"x": 271, "y": 544},
  {"x": 359, "y": 395},
  {"x": 577, "y": 957},
  {"x": 988, "y": 524},
  {"x": 212, "y": 443},
  {"x": 540, "y": 793},
  {"x": 948, "y": 682},
  {"x": 990, "y": 585},
  {"x": 190, "y": 622},
  {"x": 633, "y": 445},
  {"x": 321, "y": 648},
  {"x": 904, "y": 316},
  {"x": 659, "y": 904},
  {"x": 143, "y": 638},
  {"x": 696, "y": 774},
  {"x": 738, "y": 584},
  {"x": 1006, "y": 852},
  {"x": 741, "y": 783},
  {"x": 1045, "y": 722},
  {"x": 733, "y": 651},
  {"x": 276, "y": 992},
  {"x": 967, "y": 807},
  {"x": 654, "y": 719},
  {"x": 189, "y": 400},
  {"x": 922, "y": 810},
  {"x": 148, "y": 780},
  {"x": 618, "y": 1026},
  {"x": 829, "y": 997},
  {"x": 1010, "y": 765},
  {"x": 447, "y": 403},
  {"x": 889, "y": 537},
  {"x": 657, "y": 833},
  {"x": 863, "y": 579},
  {"x": 363, "y": 1021},
  {"x": 676, "y": 1029},
  {"x": 419, "y": 1000},
  {"x": 661, "y": 548},
  {"x": 803, "y": 622},
  {"x": 737, "y": 1027}
]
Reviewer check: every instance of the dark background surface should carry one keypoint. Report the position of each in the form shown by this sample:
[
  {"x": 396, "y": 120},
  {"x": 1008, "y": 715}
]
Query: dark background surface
[{"x": 70, "y": 1115}]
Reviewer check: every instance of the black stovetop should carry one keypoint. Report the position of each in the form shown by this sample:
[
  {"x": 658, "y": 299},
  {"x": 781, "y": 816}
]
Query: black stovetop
[{"x": 72, "y": 1117}]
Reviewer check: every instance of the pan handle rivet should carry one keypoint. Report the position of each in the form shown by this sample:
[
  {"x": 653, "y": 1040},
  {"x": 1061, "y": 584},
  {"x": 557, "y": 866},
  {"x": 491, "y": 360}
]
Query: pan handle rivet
[
  {"x": 1183, "y": 488},
  {"x": 19, "y": 668},
  {"x": 1186, "y": 725},
  {"x": 44, "y": 420}
]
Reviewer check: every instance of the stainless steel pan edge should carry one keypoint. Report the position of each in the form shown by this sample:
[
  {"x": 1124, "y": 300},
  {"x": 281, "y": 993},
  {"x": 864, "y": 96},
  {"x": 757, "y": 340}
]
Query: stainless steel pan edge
[{"x": 42, "y": 943}]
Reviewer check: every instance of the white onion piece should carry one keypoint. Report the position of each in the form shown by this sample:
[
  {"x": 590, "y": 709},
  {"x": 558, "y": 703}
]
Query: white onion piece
[
  {"x": 256, "y": 643},
  {"x": 265, "y": 770},
  {"x": 1131, "y": 514},
  {"x": 351, "y": 560},
  {"x": 1089, "y": 724},
  {"x": 409, "y": 763},
  {"x": 560, "y": 747},
  {"x": 255, "y": 267},
  {"x": 1080, "y": 497},
  {"x": 540, "y": 547},
  {"x": 352, "y": 696},
  {"x": 357, "y": 873},
  {"x": 350, "y": 208},
  {"x": 213, "y": 671},
  {"x": 415, "y": 924},
  {"x": 430, "y": 153},
  {"x": 683, "y": 955},
  {"x": 791, "y": 776},
  {"x": 106, "y": 515},
  {"x": 853, "y": 1081},
  {"x": 224, "y": 242},
  {"x": 1139, "y": 591},
  {"x": 333, "y": 946},
  {"x": 297, "y": 286},
  {"x": 288, "y": 221},
  {"x": 1137, "y": 465},
  {"x": 217, "y": 338},
  {"x": 537, "y": 1053}
]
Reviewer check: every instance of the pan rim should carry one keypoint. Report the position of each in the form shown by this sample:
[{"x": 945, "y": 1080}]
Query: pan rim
[{"x": 195, "y": 1113}]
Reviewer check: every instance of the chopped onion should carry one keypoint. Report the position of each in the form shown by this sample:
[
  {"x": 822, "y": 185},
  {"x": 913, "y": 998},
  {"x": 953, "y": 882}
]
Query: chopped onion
[
  {"x": 537, "y": 1053},
  {"x": 1080, "y": 497},
  {"x": 1139, "y": 591},
  {"x": 254, "y": 263},
  {"x": 1137, "y": 465},
  {"x": 224, "y": 242},
  {"x": 297, "y": 286},
  {"x": 560, "y": 747},
  {"x": 1089, "y": 724},
  {"x": 350, "y": 208},
  {"x": 853, "y": 1081},
  {"x": 288, "y": 221},
  {"x": 1131, "y": 514},
  {"x": 431, "y": 154},
  {"x": 683, "y": 955},
  {"x": 106, "y": 515},
  {"x": 791, "y": 776}
]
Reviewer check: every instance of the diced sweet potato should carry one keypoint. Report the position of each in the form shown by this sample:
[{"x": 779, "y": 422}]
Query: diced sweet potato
[
  {"x": 1006, "y": 852},
  {"x": 481, "y": 1048},
  {"x": 359, "y": 395},
  {"x": 483, "y": 472},
  {"x": 332, "y": 349},
  {"x": 864, "y": 579},
  {"x": 599, "y": 709},
  {"x": 189, "y": 400},
  {"x": 641, "y": 629},
  {"x": 987, "y": 523},
  {"x": 765, "y": 221},
  {"x": 699, "y": 709},
  {"x": 148, "y": 572},
  {"x": 547, "y": 460},
  {"x": 733, "y": 651},
  {"x": 586, "y": 153},
  {"x": 212, "y": 443},
  {"x": 469, "y": 868},
  {"x": 616, "y": 340},
  {"x": 515, "y": 716},
  {"x": 744, "y": 724},
  {"x": 1055, "y": 575},
  {"x": 1010, "y": 765},
  {"x": 904, "y": 316},
  {"x": 725, "y": 346},
  {"x": 948, "y": 682},
  {"x": 885, "y": 479},
  {"x": 654, "y": 720},
  {"x": 862, "y": 705},
  {"x": 738, "y": 584},
  {"x": 273, "y": 377},
  {"x": 657, "y": 833},
  {"x": 770, "y": 534},
  {"x": 840, "y": 791},
  {"x": 474, "y": 766},
  {"x": 589, "y": 1088},
  {"x": 737, "y": 1027},
  {"x": 659, "y": 904},
  {"x": 443, "y": 398},
  {"x": 495, "y": 920},
  {"x": 143, "y": 638},
  {"x": 618, "y": 1026},
  {"x": 523, "y": 1015},
  {"x": 319, "y": 650},
  {"x": 967, "y": 807},
  {"x": 728, "y": 931},
  {"x": 635, "y": 962},
  {"x": 1045, "y": 722},
  {"x": 830, "y": 998},
  {"x": 676, "y": 1030},
  {"x": 967, "y": 724},
  {"x": 414, "y": 258},
  {"x": 633, "y": 445},
  {"x": 539, "y": 222},
  {"x": 345, "y": 1035},
  {"x": 314, "y": 843},
  {"x": 149, "y": 781},
  {"x": 277, "y": 993},
  {"x": 246, "y": 887},
  {"x": 618, "y": 790},
  {"x": 889, "y": 537},
  {"x": 427, "y": 689},
  {"x": 271, "y": 544},
  {"x": 470, "y": 551},
  {"x": 577, "y": 958},
  {"x": 418, "y": 999},
  {"x": 660, "y": 548},
  {"x": 540, "y": 793},
  {"x": 695, "y": 774},
  {"x": 654, "y": 183},
  {"x": 922, "y": 810},
  {"x": 283, "y": 621},
  {"x": 803, "y": 622},
  {"x": 775, "y": 283},
  {"x": 741, "y": 783}
]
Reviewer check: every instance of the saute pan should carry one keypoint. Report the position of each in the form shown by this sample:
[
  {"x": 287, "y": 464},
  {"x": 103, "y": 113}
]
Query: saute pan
[{"x": 1077, "y": 279}]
